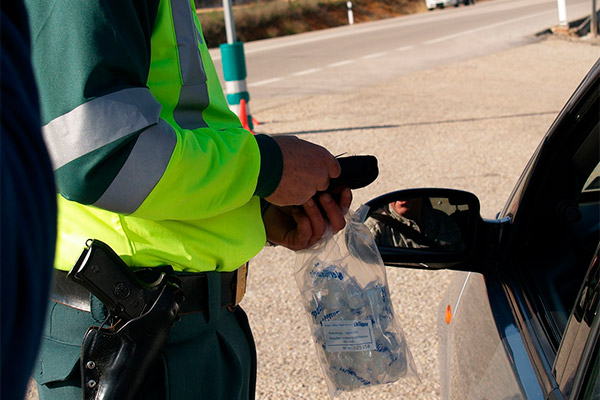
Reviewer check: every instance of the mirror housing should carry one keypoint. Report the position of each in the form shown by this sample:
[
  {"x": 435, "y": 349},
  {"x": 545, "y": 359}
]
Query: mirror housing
[{"x": 426, "y": 228}]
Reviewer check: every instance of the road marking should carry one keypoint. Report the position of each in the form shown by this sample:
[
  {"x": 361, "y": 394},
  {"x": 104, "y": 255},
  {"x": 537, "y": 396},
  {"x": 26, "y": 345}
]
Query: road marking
[
  {"x": 306, "y": 72},
  {"x": 337, "y": 32},
  {"x": 405, "y": 48},
  {"x": 374, "y": 26},
  {"x": 341, "y": 63},
  {"x": 374, "y": 55},
  {"x": 400, "y": 49},
  {"x": 265, "y": 82},
  {"x": 483, "y": 28},
  {"x": 333, "y": 65}
]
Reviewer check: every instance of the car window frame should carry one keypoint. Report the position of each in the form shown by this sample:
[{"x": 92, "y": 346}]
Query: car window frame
[{"x": 528, "y": 309}]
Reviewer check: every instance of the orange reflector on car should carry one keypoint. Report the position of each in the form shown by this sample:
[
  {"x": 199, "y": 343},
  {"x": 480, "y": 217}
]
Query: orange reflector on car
[{"x": 448, "y": 315}]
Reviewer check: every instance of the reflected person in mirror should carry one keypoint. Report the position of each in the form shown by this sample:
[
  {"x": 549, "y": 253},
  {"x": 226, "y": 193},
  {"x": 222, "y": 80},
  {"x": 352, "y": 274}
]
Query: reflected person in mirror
[{"x": 414, "y": 223}]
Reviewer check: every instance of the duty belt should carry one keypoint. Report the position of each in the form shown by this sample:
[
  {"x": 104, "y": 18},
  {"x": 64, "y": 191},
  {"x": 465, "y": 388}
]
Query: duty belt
[{"x": 195, "y": 287}]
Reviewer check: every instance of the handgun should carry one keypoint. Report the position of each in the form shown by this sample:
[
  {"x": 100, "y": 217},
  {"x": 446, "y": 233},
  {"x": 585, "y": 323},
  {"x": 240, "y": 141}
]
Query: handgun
[{"x": 100, "y": 270}]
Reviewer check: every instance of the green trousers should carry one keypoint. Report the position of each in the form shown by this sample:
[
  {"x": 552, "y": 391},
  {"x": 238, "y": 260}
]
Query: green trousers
[{"x": 210, "y": 355}]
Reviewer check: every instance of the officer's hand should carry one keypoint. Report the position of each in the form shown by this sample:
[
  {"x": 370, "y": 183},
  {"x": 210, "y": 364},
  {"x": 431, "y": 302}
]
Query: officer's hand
[
  {"x": 307, "y": 168},
  {"x": 299, "y": 227}
]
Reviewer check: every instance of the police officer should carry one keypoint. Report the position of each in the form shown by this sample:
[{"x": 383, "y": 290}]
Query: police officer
[{"x": 149, "y": 159}]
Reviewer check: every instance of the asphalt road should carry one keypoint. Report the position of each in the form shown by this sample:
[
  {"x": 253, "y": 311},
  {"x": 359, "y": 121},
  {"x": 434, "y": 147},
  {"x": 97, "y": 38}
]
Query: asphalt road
[{"x": 345, "y": 58}]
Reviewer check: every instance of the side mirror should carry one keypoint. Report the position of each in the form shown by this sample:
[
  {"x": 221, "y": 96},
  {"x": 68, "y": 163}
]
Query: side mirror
[{"x": 425, "y": 228}]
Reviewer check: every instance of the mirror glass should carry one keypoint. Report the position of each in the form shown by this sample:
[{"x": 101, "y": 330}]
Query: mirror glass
[{"x": 437, "y": 224}]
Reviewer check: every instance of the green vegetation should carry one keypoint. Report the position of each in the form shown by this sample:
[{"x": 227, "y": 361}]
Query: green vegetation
[{"x": 269, "y": 19}]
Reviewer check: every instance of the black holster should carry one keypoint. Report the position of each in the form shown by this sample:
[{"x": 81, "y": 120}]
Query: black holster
[{"x": 115, "y": 360}]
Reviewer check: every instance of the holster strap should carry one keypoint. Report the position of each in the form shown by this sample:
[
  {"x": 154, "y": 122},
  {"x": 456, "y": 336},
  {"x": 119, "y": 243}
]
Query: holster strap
[{"x": 194, "y": 286}]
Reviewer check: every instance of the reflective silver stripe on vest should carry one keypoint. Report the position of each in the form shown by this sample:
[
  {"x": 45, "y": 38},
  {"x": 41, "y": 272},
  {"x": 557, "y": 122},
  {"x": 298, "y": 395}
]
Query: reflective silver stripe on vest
[
  {"x": 141, "y": 172},
  {"x": 99, "y": 122},
  {"x": 193, "y": 98}
]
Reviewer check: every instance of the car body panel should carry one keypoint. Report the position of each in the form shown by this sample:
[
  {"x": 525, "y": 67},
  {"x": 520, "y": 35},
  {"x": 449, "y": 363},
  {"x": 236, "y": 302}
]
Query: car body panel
[
  {"x": 431, "y": 4},
  {"x": 482, "y": 356}
]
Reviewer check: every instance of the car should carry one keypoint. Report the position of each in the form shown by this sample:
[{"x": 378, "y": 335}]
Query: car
[
  {"x": 432, "y": 4},
  {"x": 522, "y": 318}
]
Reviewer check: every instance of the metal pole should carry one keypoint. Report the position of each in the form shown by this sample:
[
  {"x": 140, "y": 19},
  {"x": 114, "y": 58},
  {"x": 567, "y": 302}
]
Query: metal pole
[
  {"x": 594, "y": 20},
  {"x": 229, "y": 22},
  {"x": 562, "y": 12},
  {"x": 234, "y": 70}
]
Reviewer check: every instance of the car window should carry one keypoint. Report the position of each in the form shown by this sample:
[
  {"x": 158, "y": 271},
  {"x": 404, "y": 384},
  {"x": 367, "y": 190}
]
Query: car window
[
  {"x": 571, "y": 237},
  {"x": 563, "y": 222}
]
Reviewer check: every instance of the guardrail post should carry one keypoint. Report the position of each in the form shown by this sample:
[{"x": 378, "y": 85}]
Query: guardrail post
[
  {"x": 562, "y": 12},
  {"x": 350, "y": 13},
  {"x": 594, "y": 20}
]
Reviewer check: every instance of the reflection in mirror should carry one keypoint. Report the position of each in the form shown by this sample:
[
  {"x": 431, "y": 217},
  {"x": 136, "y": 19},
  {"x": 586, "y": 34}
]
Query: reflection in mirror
[{"x": 433, "y": 223}]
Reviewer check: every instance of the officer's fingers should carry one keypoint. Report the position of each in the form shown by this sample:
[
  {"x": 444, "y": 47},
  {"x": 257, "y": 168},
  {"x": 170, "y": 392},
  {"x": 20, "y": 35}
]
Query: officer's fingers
[
  {"x": 326, "y": 168},
  {"x": 334, "y": 213},
  {"x": 317, "y": 221},
  {"x": 345, "y": 197},
  {"x": 333, "y": 167},
  {"x": 322, "y": 183},
  {"x": 332, "y": 170},
  {"x": 303, "y": 232}
]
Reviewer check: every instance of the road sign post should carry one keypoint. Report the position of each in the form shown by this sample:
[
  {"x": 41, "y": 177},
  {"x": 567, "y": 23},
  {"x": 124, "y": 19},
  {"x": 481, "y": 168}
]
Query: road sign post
[
  {"x": 234, "y": 68},
  {"x": 562, "y": 12},
  {"x": 594, "y": 20},
  {"x": 350, "y": 13}
]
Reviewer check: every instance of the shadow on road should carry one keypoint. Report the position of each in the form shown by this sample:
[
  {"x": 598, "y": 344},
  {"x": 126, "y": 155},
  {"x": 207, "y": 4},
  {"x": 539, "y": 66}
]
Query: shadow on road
[{"x": 408, "y": 124}]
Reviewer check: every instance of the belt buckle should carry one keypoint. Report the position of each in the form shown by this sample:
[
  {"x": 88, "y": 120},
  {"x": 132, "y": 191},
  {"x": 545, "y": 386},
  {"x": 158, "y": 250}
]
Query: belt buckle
[{"x": 240, "y": 286}]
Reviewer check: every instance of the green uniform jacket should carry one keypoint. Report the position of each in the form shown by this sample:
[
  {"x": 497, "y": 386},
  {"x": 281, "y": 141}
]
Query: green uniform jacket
[{"x": 147, "y": 155}]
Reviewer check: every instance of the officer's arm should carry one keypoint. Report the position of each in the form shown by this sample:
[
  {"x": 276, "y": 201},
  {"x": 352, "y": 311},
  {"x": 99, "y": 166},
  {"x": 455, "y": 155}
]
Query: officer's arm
[{"x": 109, "y": 143}]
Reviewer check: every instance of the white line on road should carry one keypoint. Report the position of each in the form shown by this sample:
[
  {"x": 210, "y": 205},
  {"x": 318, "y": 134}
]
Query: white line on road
[
  {"x": 483, "y": 28},
  {"x": 374, "y": 55},
  {"x": 265, "y": 82},
  {"x": 341, "y": 63},
  {"x": 306, "y": 72},
  {"x": 360, "y": 29},
  {"x": 404, "y": 48}
]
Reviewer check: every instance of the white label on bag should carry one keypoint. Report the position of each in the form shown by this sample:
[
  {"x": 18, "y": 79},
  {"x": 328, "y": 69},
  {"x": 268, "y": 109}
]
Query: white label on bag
[{"x": 348, "y": 335}]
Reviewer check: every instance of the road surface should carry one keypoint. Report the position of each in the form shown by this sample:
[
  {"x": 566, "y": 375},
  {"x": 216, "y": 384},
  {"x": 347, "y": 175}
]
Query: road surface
[{"x": 345, "y": 58}]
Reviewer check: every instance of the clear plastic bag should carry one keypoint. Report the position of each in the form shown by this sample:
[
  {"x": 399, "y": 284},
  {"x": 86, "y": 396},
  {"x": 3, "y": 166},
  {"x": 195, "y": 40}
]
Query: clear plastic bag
[{"x": 343, "y": 284}]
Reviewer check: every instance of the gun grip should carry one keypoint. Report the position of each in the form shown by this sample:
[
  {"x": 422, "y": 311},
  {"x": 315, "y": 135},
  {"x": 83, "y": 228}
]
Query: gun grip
[{"x": 100, "y": 270}]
